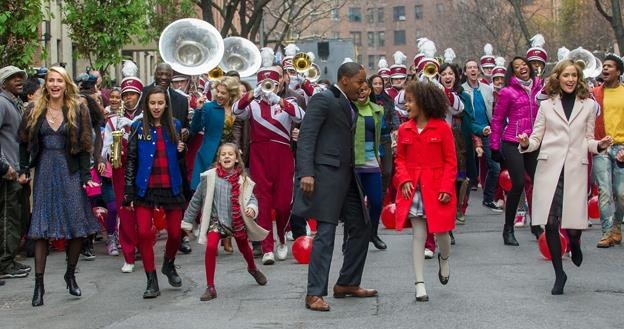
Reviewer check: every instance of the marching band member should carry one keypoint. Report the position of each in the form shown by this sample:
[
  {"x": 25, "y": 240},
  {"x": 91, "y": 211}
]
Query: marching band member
[
  {"x": 498, "y": 75},
  {"x": 384, "y": 72},
  {"x": 398, "y": 75},
  {"x": 487, "y": 64},
  {"x": 271, "y": 119},
  {"x": 537, "y": 55}
]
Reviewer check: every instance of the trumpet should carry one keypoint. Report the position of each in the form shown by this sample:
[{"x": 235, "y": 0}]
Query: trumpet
[
  {"x": 115, "y": 148},
  {"x": 215, "y": 74},
  {"x": 267, "y": 86},
  {"x": 302, "y": 62},
  {"x": 430, "y": 71}
]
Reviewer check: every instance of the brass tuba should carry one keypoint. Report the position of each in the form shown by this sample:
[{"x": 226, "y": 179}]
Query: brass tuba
[
  {"x": 430, "y": 71},
  {"x": 115, "y": 148},
  {"x": 313, "y": 74},
  {"x": 302, "y": 62},
  {"x": 191, "y": 46},
  {"x": 215, "y": 74},
  {"x": 592, "y": 67},
  {"x": 241, "y": 55}
]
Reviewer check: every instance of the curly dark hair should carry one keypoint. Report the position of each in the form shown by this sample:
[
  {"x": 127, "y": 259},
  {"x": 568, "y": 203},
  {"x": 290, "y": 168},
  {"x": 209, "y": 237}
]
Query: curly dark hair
[
  {"x": 429, "y": 98},
  {"x": 457, "y": 87}
]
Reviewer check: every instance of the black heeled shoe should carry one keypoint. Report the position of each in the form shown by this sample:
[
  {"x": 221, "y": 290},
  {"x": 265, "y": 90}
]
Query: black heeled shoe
[
  {"x": 577, "y": 254},
  {"x": 509, "y": 239},
  {"x": 378, "y": 243},
  {"x": 559, "y": 285},
  {"x": 70, "y": 280},
  {"x": 537, "y": 231},
  {"x": 443, "y": 279},
  {"x": 423, "y": 298},
  {"x": 37, "y": 299}
]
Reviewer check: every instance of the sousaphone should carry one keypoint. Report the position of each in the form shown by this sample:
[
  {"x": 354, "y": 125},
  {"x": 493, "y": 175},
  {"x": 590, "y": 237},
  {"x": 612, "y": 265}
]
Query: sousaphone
[{"x": 240, "y": 55}]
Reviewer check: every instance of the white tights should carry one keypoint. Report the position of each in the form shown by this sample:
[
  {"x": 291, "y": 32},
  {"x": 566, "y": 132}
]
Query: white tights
[{"x": 419, "y": 229}]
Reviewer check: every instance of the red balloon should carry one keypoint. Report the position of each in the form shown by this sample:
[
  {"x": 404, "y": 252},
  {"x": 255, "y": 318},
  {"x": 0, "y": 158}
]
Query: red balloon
[
  {"x": 388, "y": 216},
  {"x": 58, "y": 245},
  {"x": 160, "y": 219},
  {"x": 543, "y": 246},
  {"x": 504, "y": 180},
  {"x": 302, "y": 248},
  {"x": 592, "y": 207},
  {"x": 312, "y": 224}
]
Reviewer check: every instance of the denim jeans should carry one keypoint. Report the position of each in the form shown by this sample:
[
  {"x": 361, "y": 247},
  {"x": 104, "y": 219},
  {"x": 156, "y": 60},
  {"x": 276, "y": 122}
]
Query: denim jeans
[
  {"x": 493, "y": 170},
  {"x": 610, "y": 180}
]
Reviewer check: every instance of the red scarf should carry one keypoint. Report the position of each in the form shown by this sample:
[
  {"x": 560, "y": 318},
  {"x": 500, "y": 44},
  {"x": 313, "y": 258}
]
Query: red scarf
[{"x": 238, "y": 224}]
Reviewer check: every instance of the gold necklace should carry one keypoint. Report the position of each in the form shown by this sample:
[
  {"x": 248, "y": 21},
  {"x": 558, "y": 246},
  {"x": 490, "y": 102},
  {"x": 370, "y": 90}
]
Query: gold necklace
[{"x": 51, "y": 117}]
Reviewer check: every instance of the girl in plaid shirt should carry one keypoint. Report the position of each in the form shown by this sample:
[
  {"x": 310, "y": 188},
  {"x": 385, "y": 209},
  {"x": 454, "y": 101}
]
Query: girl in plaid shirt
[{"x": 225, "y": 199}]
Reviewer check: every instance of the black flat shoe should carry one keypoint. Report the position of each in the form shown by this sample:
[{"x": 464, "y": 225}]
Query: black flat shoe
[
  {"x": 537, "y": 231},
  {"x": 577, "y": 254},
  {"x": 443, "y": 279},
  {"x": 378, "y": 243}
]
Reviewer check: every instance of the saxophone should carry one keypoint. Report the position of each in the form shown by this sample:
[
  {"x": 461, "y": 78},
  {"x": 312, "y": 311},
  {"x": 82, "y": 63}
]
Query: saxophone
[{"x": 115, "y": 148}]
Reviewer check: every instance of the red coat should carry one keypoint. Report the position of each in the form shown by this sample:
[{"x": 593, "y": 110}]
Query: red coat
[{"x": 427, "y": 158}]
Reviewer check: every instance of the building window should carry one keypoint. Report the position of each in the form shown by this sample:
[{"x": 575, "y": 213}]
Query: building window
[
  {"x": 440, "y": 8},
  {"x": 370, "y": 15},
  {"x": 335, "y": 14},
  {"x": 371, "y": 62},
  {"x": 336, "y": 35},
  {"x": 418, "y": 11},
  {"x": 399, "y": 37},
  {"x": 380, "y": 15},
  {"x": 381, "y": 39},
  {"x": 399, "y": 13},
  {"x": 357, "y": 38},
  {"x": 359, "y": 59},
  {"x": 355, "y": 14},
  {"x": 371, "y": 39}
]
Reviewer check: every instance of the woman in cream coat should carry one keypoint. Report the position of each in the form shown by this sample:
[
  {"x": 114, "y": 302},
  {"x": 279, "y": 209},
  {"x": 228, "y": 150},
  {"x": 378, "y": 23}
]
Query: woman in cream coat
[{"x": 564, "y": 134}]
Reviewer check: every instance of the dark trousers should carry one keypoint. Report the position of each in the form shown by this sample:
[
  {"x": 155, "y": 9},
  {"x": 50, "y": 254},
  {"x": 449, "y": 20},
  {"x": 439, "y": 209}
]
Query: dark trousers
[
  {"x": 297, "y": 226},
  {"x": 12, "y": 225},
  {"x": 358, "y": 233},
  {"x": 517, "y": 164}
]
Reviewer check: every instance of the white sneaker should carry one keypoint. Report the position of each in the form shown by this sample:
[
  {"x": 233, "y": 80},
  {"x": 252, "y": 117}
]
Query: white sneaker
[
  {"x": 111, "y": 247},
  {"x": 520, "y": 217},
  {"x": 268, "y": 259},
  {"x": 282, "y": 251},
  {"x": 127, "y": 268},
  {"x": 289, "y": 236},
  {"x": 428, "y": 253}
]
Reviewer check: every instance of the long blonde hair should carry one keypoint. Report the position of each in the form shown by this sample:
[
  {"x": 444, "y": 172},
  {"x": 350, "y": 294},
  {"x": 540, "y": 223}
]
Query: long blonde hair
[
  {"x": 232, "y": 86},
  {"x": 70, "y": 100},
  {"x": 552, "y": 87}
]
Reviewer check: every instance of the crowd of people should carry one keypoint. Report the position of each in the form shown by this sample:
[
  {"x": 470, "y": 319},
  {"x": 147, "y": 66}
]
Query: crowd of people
[{"x": 218, "y": 159}]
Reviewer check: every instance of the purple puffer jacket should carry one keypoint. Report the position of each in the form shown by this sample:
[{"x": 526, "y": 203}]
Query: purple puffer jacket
[{"x": 514, "y": 113}]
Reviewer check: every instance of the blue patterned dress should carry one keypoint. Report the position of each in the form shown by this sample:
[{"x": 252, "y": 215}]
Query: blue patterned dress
[{"x": 61, "y": 209}]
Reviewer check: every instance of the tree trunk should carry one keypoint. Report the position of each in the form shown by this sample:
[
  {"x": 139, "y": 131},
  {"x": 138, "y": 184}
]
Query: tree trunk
[
  {"x": 517, "y": 6},
  {"x": 615, "y": 20},
  {"x": 206, "y": 7}
]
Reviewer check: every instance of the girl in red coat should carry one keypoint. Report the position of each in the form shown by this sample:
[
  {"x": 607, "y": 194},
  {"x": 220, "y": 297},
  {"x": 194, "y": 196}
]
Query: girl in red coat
[{"x": 426, "y": 167}]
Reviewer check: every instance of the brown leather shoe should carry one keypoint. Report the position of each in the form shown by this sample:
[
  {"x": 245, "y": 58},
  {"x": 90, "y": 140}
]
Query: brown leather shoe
[
  {"x": 616, "y": 234},
  {"x": 316, "y": 303},
  {"x": 209, "y": 294},
  {"x": 353, "y": 291},
  {"x": 227, "y": 245},
  {"x": 260, "y": 278},
  {"x": 606, "y": 241}
]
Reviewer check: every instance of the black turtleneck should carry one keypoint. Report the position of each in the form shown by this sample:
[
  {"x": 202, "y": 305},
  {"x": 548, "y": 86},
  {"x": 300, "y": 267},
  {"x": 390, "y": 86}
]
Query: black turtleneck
[{"x": 567, "y": 101}]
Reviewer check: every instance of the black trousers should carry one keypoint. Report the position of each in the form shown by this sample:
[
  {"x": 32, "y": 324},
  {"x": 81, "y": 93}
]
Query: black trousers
[
  {"x": 517, "y": 164},
  {"x": 297, "y": 226},
  {"x": 358, "y": 232},
  {"x": 13, "y": 223}
]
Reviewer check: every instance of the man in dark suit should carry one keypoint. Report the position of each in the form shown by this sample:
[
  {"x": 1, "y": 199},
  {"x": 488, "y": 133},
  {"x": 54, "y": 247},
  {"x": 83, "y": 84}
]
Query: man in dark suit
[
  {"x": 179, "y": 106},
  {"x": 327, "y": 187}
]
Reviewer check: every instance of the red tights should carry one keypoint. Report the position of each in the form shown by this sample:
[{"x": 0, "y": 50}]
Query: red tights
[
  {"x": 211, "y": 255},
  {"x": 146, "y": 235}
]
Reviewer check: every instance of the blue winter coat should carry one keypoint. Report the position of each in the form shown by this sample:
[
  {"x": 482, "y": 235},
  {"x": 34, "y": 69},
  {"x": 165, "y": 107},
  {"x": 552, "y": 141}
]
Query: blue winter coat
[{"x": 210, "y": 119}]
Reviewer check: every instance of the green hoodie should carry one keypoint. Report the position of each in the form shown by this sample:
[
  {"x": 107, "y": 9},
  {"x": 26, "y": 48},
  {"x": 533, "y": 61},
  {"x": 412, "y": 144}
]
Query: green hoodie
[{"x": 367, "y": 109}]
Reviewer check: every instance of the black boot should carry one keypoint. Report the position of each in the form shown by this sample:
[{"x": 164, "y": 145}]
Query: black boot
[
  {"x": 37, "y": 299},
  {"x": 70, "y": 280},
  {"x": 169, "y": 270},
  {"x": 378, "y": 243},
  {"x": 508, "y": 236},
  {"x": 152, "y": 290},
  {"x": 185, "y": 245},
  {"x": 537, "y": 231}
]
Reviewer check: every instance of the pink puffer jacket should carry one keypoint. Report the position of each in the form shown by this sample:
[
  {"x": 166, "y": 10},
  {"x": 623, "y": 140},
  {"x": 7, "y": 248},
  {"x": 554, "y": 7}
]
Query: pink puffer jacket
[{"x": 514, "y": 113}]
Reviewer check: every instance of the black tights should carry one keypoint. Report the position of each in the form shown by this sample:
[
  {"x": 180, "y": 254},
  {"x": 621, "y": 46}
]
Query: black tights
[
  {"x": 74, "y": 246},
  {"x": 554, "y": 243},
  {"x": 517, "y": 164}
]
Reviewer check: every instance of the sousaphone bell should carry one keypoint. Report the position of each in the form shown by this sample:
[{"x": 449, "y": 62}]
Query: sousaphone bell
[{"x": 240, "y": 55}]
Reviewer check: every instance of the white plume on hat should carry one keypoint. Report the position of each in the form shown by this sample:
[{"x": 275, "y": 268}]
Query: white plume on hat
[
  {"x": 499, "y": 61},
  {"x": 399, "y": 58},
  {"x": 267, "y": 56},
  {"x": 562, "y": 53},
  {"x": 538, "y": 41},
  {"x": 311, "y": 55},
  {"x": 129, "y": 69},
  {"x": 428, "y": 48},
  {"x": 291, "y": 50},
  {"x": 488, "y": 50},
  {"x": 449, "y": 55},
  {"x": 421, "y": 42},
  {"x": 347, "y": 60},
  {"x": 383, "y": 63}
]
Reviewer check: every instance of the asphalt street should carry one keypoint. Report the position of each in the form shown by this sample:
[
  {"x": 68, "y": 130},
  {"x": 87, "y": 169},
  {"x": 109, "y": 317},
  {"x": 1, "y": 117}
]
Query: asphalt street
[{"x": 491, "y": 286}]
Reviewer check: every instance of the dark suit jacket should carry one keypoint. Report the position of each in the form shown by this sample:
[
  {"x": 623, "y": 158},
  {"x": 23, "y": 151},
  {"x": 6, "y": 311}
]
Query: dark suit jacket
[
  {"x": 325, "y": 151},
  {"x": 178, "y": 103}
]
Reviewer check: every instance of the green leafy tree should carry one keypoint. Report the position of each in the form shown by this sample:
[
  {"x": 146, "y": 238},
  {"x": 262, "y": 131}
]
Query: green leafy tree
[
  {"x": 19, "y": 22},
  {"x": 162, "y": 12},
  {"x": 100, "y": 28}
]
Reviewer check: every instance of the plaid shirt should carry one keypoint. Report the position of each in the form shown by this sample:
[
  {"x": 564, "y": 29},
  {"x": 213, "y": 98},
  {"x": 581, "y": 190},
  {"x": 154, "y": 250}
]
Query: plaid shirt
[{"x": 159, "y": 177}]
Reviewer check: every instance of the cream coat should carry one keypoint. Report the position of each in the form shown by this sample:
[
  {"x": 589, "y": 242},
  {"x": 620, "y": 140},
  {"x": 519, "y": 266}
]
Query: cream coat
[
  {"x": 254, "y": 231},
  {"x": 562, "y": 144}
]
